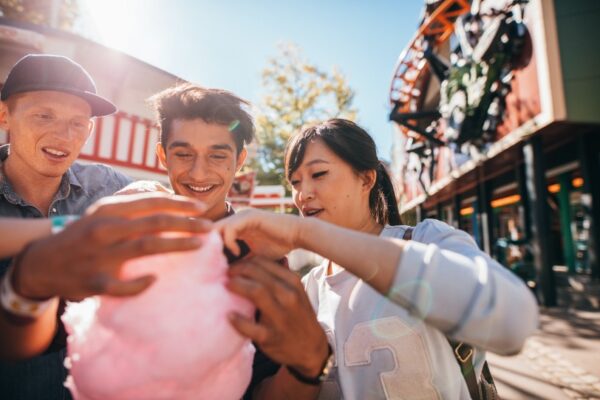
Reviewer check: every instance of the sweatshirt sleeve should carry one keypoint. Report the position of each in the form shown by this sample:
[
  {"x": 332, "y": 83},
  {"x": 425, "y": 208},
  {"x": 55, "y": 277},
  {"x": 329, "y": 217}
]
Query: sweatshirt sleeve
[{"x": 445, "y": 279}]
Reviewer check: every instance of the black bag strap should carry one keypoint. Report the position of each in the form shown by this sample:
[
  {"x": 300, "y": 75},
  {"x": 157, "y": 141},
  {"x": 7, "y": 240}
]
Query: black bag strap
[{"x": 464, "y": 355}]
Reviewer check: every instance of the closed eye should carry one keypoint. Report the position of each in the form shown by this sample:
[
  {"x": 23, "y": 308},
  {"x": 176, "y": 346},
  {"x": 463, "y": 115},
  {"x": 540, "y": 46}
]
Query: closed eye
[
  {"x": 183, "y": 155},
  {"x": 80, "y": 124},
  {"x": 319, "y": 174}
]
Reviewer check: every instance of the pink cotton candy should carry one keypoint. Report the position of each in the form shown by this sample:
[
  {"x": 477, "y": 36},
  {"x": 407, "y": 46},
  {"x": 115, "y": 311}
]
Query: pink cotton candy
[{"x": 173, "y": 341}]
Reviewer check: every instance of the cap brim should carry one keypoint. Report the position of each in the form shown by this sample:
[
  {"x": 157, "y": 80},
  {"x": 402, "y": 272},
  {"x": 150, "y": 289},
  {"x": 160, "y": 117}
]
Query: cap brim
[{"x": 100, "y": 106}]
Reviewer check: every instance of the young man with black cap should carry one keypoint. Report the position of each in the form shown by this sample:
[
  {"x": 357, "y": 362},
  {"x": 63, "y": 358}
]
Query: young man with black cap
[{"x": 47, "y": 103}]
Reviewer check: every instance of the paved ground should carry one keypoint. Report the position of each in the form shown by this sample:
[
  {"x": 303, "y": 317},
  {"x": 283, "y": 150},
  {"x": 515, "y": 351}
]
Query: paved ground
[{"x": 562, "y": 361}]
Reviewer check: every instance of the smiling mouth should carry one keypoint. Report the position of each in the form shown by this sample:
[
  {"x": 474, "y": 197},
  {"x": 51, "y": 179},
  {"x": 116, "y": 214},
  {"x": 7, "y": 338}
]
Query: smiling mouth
[
  {"x": 54, "y": 153},
  {"x": 200, "y": 189},
  {"x": 312, "y": 213}
]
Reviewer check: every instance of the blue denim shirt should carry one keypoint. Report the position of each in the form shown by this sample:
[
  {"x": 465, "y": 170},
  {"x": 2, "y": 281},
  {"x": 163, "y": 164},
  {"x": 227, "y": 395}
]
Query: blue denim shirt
[{"x": 42, "y": 377}]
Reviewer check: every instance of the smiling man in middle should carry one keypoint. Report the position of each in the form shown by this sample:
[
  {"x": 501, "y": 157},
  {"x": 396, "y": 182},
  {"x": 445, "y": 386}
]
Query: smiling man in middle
[{"x": 203, "y": 133}]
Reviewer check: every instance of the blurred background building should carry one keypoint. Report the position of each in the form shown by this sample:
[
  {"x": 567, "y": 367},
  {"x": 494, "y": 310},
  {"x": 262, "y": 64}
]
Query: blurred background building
[{"x": 496, "y": 108}]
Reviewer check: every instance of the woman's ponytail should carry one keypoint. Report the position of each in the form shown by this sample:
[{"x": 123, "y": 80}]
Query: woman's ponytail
[{"x": 383, "y": 199}]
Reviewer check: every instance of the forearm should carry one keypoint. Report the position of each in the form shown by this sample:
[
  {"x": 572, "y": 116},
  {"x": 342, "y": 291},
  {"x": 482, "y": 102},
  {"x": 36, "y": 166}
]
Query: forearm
[
  {"x": 369, "y": 257},
  {"x": 21, "y": 340},
  {"x": 460, "y": 290},
  {"x": 284, "y": 386},
  {"x": 17, "y": 232},
  {"x": 467, "y": 295}
]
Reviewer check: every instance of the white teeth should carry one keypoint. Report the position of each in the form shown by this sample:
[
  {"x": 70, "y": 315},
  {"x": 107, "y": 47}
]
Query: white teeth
[
  {"x": 55, "y": 152},
  {"x": 200, "y": 188}
]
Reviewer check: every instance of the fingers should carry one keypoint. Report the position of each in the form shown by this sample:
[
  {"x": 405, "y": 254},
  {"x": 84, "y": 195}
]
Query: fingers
[
  {"x": 109, "y": 230},
  {"x": 253, "y": 272},
  {"x": 270, "y": 292},
  {"x": 149, "y": 245},
  {"x": 229, "y": 235},
  {"x": 232, "y": 228},
  {"x": 118, "y": 288},
  {"x": 249, "y": 328},
  {"x": 259, "y": 268},
  {"x": 158, "y": 223},
  {"x": 257, "y": 293},
  {"x": 142, "y": 204}
]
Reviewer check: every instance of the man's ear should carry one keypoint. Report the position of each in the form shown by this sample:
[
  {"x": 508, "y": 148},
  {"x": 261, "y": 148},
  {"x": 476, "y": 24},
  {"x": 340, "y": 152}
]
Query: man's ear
[
  {"x": 241, "y": 158},
  {"x": 161, "y": 154},
  {"x": 91, "y": 129},
  {"x": 3, "y": 116},
  {"x": 369, "y": 178}
]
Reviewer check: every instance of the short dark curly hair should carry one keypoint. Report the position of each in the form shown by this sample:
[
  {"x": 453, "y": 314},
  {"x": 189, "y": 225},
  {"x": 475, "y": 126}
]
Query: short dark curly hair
[{"x": 189, "y": 101}]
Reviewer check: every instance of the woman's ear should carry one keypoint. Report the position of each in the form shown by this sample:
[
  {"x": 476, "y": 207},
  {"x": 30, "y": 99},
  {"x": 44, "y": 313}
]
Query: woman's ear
[{"x": 369, "y": 178}]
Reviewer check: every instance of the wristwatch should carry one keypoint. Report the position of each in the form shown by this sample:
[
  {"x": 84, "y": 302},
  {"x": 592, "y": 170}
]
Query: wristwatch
[{"x": 325, "y": 370}]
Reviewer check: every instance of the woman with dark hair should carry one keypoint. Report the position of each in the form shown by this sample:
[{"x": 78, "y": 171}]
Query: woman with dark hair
[{"x": 376, "y": 290}]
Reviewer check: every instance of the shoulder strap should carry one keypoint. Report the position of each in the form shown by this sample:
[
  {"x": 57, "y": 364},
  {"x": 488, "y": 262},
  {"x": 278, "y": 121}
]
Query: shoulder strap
[
  {"x": 463, "y": 354},
  {"x": 464, "y": 357}
]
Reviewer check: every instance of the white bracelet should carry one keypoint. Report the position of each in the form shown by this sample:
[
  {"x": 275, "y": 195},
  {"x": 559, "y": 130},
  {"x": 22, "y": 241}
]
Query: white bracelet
[{"x": 19, "y": 305}]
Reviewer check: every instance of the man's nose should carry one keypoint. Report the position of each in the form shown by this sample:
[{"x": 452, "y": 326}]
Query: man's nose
[
  {"x": 65, "y": 130},
  {"x": 199, "y": 169}
]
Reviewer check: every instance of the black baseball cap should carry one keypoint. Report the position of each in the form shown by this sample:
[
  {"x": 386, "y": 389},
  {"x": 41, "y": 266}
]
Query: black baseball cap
[{"x": 51, "y": 72}]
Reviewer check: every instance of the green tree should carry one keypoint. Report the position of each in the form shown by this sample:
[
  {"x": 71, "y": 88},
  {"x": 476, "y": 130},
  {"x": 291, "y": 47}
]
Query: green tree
[
  {"x": 60, "y": 14},
  {"x": 296, "y": 93}
]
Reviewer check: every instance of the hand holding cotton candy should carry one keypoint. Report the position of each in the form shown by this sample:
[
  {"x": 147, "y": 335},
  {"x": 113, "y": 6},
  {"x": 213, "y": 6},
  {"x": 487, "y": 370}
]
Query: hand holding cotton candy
[{"x": 173, "y": 341}]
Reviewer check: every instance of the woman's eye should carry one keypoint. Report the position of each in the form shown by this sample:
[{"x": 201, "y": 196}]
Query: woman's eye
[
  {"x": 319, "y": 174},
  {"x": 183, "y": 155},
  {"x": 218, "y": 156},
  {"x": 43, "y": 116}
]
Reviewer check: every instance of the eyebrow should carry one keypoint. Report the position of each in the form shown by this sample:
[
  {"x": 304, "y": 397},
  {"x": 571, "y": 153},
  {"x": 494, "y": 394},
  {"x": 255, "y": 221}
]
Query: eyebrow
[
  {"x": 179, "y": 144},
  {"x": 223, "y": 146},
  {"x": 316, "y": 161}
]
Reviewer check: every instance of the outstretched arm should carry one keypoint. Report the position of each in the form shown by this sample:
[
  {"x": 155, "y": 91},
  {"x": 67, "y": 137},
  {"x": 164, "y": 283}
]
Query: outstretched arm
[
  {"x": 449, "y": 283},
  {"x": 369, "y": 257},
  {"x": 85, "y": 259},
  {"x": 17, "y": 232}
]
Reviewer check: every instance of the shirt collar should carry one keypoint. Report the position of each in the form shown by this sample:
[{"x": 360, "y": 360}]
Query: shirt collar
[
  {"x": 73, "y": 180},
  {"x": 68, "y": 179}
]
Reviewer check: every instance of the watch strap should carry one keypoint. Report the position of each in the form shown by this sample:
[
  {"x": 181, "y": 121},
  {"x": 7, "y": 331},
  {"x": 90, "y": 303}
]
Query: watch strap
[{"x": 325, "y": 370}]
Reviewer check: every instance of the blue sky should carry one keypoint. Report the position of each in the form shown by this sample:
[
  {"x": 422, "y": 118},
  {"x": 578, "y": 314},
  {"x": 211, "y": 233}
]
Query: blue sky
[{"x": 227, "y": 43}]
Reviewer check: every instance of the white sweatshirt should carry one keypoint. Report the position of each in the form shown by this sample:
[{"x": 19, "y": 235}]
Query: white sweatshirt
[{"x": 395, "y": 347}]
